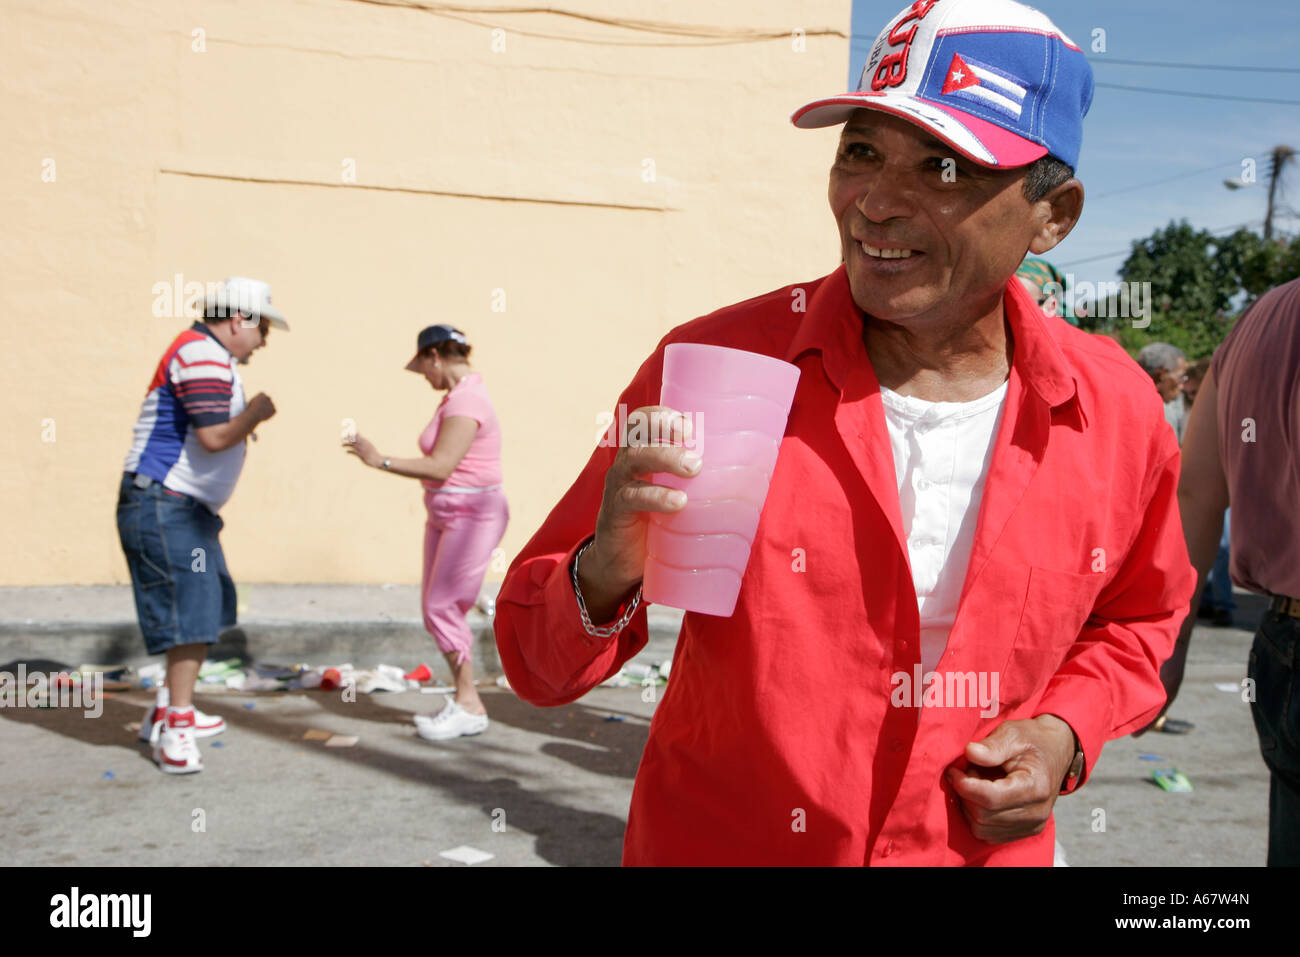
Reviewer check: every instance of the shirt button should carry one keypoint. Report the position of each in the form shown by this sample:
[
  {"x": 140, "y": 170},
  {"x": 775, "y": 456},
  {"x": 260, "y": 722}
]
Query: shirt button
[{"x": 923, "y": 484}]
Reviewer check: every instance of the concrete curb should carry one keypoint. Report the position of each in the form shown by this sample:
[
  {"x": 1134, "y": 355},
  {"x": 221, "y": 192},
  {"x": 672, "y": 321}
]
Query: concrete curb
[{"x": 339, "y": 624}]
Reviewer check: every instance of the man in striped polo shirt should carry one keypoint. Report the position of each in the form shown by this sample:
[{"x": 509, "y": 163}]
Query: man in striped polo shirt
[{"x": 183, "y": 465}]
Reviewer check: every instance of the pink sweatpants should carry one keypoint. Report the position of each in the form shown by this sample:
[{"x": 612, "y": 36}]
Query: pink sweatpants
[{"x": 461, "y": 532}]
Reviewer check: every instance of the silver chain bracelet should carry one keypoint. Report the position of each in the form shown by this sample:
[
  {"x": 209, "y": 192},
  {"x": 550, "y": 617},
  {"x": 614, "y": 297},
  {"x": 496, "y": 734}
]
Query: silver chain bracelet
[{"x": 604, "y": 631}]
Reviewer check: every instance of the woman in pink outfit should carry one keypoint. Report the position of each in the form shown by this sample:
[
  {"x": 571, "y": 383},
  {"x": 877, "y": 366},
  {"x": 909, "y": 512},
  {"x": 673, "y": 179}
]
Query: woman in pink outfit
[{"x": 461, "y": 474}]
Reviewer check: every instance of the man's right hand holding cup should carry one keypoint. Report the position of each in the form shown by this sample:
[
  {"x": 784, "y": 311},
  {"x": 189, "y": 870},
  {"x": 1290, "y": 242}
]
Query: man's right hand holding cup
[{"x": 613, "y": 566}]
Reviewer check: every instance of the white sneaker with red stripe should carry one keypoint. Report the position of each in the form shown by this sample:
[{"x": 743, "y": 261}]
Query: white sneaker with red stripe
[
  {"x": 176, "y": 751},
  {"x": 205, "y": 725}
]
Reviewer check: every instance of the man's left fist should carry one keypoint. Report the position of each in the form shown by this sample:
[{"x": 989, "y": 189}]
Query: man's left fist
[{"x": 1009, "y": 782}]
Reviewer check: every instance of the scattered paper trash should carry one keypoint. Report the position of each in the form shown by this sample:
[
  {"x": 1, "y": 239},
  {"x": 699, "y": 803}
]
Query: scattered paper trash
[
  {"x": 249, "y": 705},
  {"x": 437, "y": 691},
  {"x": 342, "y": 741},
  {"x": 1171, "y": 779},
  {"x": 216, "y": 672},
  {"x": 109, "y": 775},
  {"x": 1150, "y": 757},
  {"x": 315, "y": 734},
  {"x": 1231, "y": 687},
  {"x": 218, "y": 744},
  {"x": 635, "y": 673},
  {"x": 154, "y": 671},
  {"x": 615, "y": 717},
  {"x": 380, "y": 678},
  {"x": 502, "y": 682},
  {"x": 466, "y": 855},
  {"x": 255, "y": 683},
  {"x": 132, "y": 726}
]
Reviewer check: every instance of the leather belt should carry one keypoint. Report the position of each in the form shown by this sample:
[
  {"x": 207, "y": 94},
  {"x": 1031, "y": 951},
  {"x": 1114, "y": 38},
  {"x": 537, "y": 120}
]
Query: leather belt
[
  {"x": 142, "y": 481},
  {"x": 1286, "y": 606}
]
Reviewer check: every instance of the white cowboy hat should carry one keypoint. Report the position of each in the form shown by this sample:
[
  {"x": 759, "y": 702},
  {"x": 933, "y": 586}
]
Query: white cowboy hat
[{"x": 249, "y": 296}]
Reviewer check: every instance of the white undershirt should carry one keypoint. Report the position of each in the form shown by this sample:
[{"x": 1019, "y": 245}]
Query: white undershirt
[{"x": 941, "y": 457}]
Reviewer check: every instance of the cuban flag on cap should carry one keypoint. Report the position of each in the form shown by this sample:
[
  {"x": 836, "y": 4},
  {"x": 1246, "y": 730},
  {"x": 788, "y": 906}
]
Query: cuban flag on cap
[
  {"x": 984, "y": 85},
  {"x": 994, "y": 79}
]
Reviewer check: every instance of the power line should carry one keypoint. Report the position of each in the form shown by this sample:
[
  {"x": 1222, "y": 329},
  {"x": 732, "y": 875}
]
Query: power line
[
  {"x": 1125, "y": 252},
  {"x": 1196, "y": 66},
  {"x": 1203, "y": 96},
  {"x": 1167, "y": 179}
]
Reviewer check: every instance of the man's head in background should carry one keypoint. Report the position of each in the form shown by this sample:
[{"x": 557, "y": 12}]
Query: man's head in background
[
  {"x": 956, "y": 158},
  {"x": 1046, "y": 286},
  {"x": 239, "y": 313},
  {"x": 1166, "y": 365},
  {"x": 1192, "y": 379}
]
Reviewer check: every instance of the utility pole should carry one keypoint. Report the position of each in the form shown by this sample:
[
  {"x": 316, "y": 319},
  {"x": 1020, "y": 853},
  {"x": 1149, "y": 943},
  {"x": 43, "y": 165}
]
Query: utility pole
[{"x": 1281, "y": 156}]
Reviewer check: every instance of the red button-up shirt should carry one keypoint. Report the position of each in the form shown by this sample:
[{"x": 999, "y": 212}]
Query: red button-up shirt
[{"x": 776, "y": 741}]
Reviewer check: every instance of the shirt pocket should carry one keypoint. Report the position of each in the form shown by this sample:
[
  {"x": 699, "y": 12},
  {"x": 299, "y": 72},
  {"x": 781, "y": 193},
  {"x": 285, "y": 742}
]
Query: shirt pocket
[{"x": 1057, "y": 605}]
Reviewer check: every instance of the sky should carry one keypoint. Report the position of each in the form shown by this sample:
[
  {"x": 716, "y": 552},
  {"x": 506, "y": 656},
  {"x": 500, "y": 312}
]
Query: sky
[{"x": 1177, "y": 149}]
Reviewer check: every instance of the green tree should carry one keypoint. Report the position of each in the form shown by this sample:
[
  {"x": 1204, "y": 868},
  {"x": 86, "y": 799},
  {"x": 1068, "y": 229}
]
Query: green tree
[{"x": 1200, "y": 283}]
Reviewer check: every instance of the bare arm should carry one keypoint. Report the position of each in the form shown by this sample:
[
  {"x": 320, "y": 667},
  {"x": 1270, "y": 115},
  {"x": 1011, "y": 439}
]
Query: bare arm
[
  {"x": 225, "y": 435},
  {"x": 1202, "y": 498},
  {"x": 455, "y": 436}
]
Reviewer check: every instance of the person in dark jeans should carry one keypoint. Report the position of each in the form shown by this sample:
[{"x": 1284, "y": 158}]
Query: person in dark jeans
[
  {"x": 185, "y": 458},
  {"x": 1243, "y": 447}
]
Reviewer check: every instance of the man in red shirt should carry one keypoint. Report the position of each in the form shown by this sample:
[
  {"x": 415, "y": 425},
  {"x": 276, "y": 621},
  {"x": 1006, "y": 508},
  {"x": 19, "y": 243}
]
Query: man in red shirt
[{"x": 969, "y": 566}]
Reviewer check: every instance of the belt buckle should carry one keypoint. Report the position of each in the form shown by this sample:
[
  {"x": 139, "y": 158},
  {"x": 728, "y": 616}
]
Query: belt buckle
[
  {"x": 142, "y": 480},
  {"x": 1291, "y": 606}
]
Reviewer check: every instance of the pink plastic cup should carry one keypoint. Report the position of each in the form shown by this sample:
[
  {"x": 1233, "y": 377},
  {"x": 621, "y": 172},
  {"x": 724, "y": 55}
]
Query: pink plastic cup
[{"x": 738, "y": 403}]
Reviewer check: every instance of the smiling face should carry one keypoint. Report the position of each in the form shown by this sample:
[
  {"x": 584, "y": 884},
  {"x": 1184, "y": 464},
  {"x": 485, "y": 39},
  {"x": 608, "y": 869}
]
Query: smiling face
[{"x": 930, "y": 238}]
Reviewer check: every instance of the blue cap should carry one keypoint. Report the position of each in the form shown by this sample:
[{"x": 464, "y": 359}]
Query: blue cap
[{"x": 994, "y": 79}]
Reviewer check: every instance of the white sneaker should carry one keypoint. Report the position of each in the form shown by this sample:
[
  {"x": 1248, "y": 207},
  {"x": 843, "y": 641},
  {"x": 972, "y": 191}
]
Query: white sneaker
[
  {"x": 205, "y": 725},
  {"x": 451, "y": 722},
  {"x": 176, "y": 751}
]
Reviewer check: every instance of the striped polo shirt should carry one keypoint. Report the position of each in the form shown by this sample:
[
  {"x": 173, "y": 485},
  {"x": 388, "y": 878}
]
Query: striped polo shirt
[{"x": 196, "y": 384}]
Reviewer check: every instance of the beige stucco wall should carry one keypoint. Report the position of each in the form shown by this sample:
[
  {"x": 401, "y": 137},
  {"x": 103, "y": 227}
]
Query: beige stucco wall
[{"x": 522, "y": 170}]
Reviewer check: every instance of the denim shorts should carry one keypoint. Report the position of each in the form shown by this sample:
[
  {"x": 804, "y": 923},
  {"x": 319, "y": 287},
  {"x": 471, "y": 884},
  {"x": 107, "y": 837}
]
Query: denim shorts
[{"x": 183, "y": 592}]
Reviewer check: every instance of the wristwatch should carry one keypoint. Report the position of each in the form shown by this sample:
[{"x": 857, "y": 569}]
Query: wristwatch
[
  {"x": 1075, "y": 769},
  {"x": 385, "y": 463}
]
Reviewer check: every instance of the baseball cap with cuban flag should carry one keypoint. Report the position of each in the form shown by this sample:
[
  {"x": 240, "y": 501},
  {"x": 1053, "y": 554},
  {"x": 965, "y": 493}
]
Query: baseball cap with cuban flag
[{"x": 994, "y": 79}]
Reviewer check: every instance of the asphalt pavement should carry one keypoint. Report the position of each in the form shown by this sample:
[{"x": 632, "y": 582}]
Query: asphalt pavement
[{"x": 540, "y": 787}]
